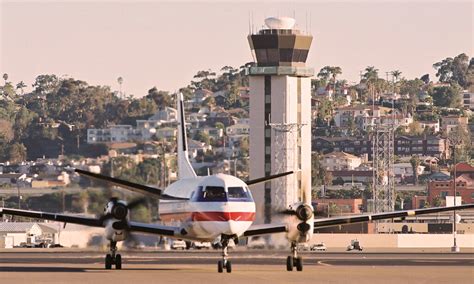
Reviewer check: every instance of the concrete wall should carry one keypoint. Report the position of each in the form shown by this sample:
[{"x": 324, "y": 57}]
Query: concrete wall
[
  {"x": 395, "y": 240},
  {"x": 433, "y": 240}
]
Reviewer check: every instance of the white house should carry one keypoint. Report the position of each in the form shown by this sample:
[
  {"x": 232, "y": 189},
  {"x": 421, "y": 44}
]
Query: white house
[
  {"x": 13, "y": 234},
  {"x": 434, "y": 125},
  {"x": 403, "y": 171},
  {"x": 340, "y": 161}
]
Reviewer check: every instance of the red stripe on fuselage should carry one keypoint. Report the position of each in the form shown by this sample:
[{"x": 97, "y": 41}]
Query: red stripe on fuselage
[{"x": 223, "y": 216}]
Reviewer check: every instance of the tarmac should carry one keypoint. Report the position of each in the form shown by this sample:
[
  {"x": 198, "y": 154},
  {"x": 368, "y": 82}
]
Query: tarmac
[{"x": 248, "y": 266}]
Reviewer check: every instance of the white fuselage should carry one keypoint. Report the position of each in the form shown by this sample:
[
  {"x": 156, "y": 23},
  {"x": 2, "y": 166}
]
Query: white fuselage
[{"x": 218, "y": 205}]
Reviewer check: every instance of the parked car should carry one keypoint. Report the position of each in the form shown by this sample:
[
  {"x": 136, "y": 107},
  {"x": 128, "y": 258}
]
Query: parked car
[
  {"x": 256, "y": 243},
  {"x": 318, "y": 247},
  {"x": 303, "y": 247},
  {"x": 355, "y": 245},
  {"x": 201, "y": 245},
  {"x": 178, "y": 244}
]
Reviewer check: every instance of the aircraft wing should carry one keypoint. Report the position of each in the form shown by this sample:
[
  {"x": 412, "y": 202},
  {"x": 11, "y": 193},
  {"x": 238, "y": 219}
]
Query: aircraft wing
[
  {"x": 327, "y": 222},
  {"x": 87, "y": 221},
  {"x": 135, "y": 187},
  {"x": 155, "y": 229},
  {"x": 93, "y": 222},
  {"x": 264, "y": 229}
]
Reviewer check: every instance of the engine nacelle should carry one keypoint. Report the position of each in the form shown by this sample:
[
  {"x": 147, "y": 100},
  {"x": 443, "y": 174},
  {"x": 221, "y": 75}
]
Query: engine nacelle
[
  {"x": 116, "y": 220},
  {"x": 301, "y": 225},
  {"x": 113, "y": 234}
]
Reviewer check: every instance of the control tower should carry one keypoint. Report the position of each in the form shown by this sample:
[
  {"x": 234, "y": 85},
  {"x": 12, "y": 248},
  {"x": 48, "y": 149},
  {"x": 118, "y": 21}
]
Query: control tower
[{"x": 280, "y": 116}]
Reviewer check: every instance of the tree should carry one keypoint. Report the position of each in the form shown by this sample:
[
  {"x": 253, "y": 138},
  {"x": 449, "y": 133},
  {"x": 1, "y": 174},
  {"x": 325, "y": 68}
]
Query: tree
[
  {"x": 16, "y": 153},
  {"x": 20, "y": 86},
  {"x": 371, "y": 77},
  {"x": 161, "y": 98},
  {"x": 461, "y": 138},
  {"x": 202, "y": 136},
  {"x": 454, "y": 70},
  {"x": 219, "y": 125},
  {"x": 46, "y": 84},
  {"x": 396, "y": 74},
  {"x": 414, "y": 128},
  {"x": 6, "y": 131},
  {"x": 447, "y": 96},
  {"x": 329, "y": 72},
  {"x": 425, "y": 78},
  {"x": 415, "y": 163}
]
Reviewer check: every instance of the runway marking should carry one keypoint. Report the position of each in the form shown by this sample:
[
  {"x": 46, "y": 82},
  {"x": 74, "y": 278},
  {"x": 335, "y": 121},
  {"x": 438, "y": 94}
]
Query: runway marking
[{"x": 322, "y": 263}]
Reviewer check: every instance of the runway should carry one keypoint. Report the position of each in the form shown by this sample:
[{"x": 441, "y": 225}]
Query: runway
[{"x": 60, "y": 266}]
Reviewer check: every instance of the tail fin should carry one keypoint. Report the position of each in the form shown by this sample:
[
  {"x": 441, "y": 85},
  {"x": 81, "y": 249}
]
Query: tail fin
[{"x": 185, "y": 170}]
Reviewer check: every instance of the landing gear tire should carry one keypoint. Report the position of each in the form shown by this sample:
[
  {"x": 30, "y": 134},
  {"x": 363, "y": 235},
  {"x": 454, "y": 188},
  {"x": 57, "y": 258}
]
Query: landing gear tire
[
  {"x": 224, "y": 263},
  {"x": 289, "y": 263},
  {"x": 220, "y": 266},
  {"x": 118, "y": 261},
  {"x": 299, "y": 263},
  {"x": 108, "y": 261}
]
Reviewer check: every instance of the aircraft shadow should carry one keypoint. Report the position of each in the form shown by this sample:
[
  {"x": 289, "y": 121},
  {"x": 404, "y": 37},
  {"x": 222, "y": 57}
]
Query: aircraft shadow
[{"x": 72, "y": 269}]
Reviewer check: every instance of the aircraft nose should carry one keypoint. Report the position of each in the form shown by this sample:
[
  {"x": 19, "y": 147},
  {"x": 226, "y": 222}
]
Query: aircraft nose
[{"x": 234, "y": 228}]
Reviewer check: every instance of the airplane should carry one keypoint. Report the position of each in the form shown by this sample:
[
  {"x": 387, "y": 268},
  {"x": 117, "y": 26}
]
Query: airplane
[{"x": 214, "y": 207}]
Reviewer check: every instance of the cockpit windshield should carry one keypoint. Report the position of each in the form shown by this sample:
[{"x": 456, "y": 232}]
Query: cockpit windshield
[
  {"x": 218, "y": 193},
  {"x": 238, "y": 193},
  {"x": 214, "y": 193}
]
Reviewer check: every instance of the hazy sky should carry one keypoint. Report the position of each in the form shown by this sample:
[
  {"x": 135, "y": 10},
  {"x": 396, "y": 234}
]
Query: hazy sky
[{"x": 163, "y": 44}]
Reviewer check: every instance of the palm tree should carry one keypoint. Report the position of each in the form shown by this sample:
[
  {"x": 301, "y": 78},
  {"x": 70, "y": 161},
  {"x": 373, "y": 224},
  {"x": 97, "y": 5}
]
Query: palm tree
[
  {"x": 371, "y": 77},
  {"x": 396, "y": 76},
  {"x": 335, "y": 70},
  {"x": 324, "y": 73},
  {"x": 20, "y": 86}
]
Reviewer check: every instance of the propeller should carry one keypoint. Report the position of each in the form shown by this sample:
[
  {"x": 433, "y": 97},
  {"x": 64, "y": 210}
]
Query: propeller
[
  {"x": 304, "y": 211},
  {"x": 120, "y": 211}
]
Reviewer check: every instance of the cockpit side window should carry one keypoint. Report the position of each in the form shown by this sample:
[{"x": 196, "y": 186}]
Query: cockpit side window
[{"x": 239, "y": 193}]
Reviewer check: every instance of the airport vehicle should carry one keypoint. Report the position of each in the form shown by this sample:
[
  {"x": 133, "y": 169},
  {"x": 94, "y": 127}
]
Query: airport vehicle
[
  {"x": 318, "y": 247},
  {"x": 215, "y": 208},
  {"x": 355, "y": 245},
  {"x": 178, "y": 244},
  {"x": 201, "y": 245}
]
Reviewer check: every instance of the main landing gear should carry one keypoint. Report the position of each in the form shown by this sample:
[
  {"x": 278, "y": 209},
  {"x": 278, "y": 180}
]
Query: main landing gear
[
  {"x": 112, "y": 258},
  {"x": 294, "y": 260},
  {"x": 224, "y": 263}
]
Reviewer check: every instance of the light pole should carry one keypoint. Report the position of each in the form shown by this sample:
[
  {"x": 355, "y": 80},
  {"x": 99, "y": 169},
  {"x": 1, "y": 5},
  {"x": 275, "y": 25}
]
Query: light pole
[{"x": 454, "y": 142}]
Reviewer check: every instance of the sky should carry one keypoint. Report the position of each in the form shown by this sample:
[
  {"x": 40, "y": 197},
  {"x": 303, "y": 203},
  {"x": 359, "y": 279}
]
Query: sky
[{"x": 164, "y": 43}]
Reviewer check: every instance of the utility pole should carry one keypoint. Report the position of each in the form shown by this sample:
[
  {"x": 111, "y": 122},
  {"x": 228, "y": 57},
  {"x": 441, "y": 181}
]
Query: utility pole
[
  {"x": 454, "y": 140},
  {"x": 455, "y": 247}
]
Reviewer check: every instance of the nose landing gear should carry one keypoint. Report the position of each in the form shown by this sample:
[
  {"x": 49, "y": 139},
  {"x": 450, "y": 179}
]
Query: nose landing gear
[
  {"x": 113, "y": 258},
  {"x": 224, "y": 263},
  {"x": 294, "y": 260}
]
